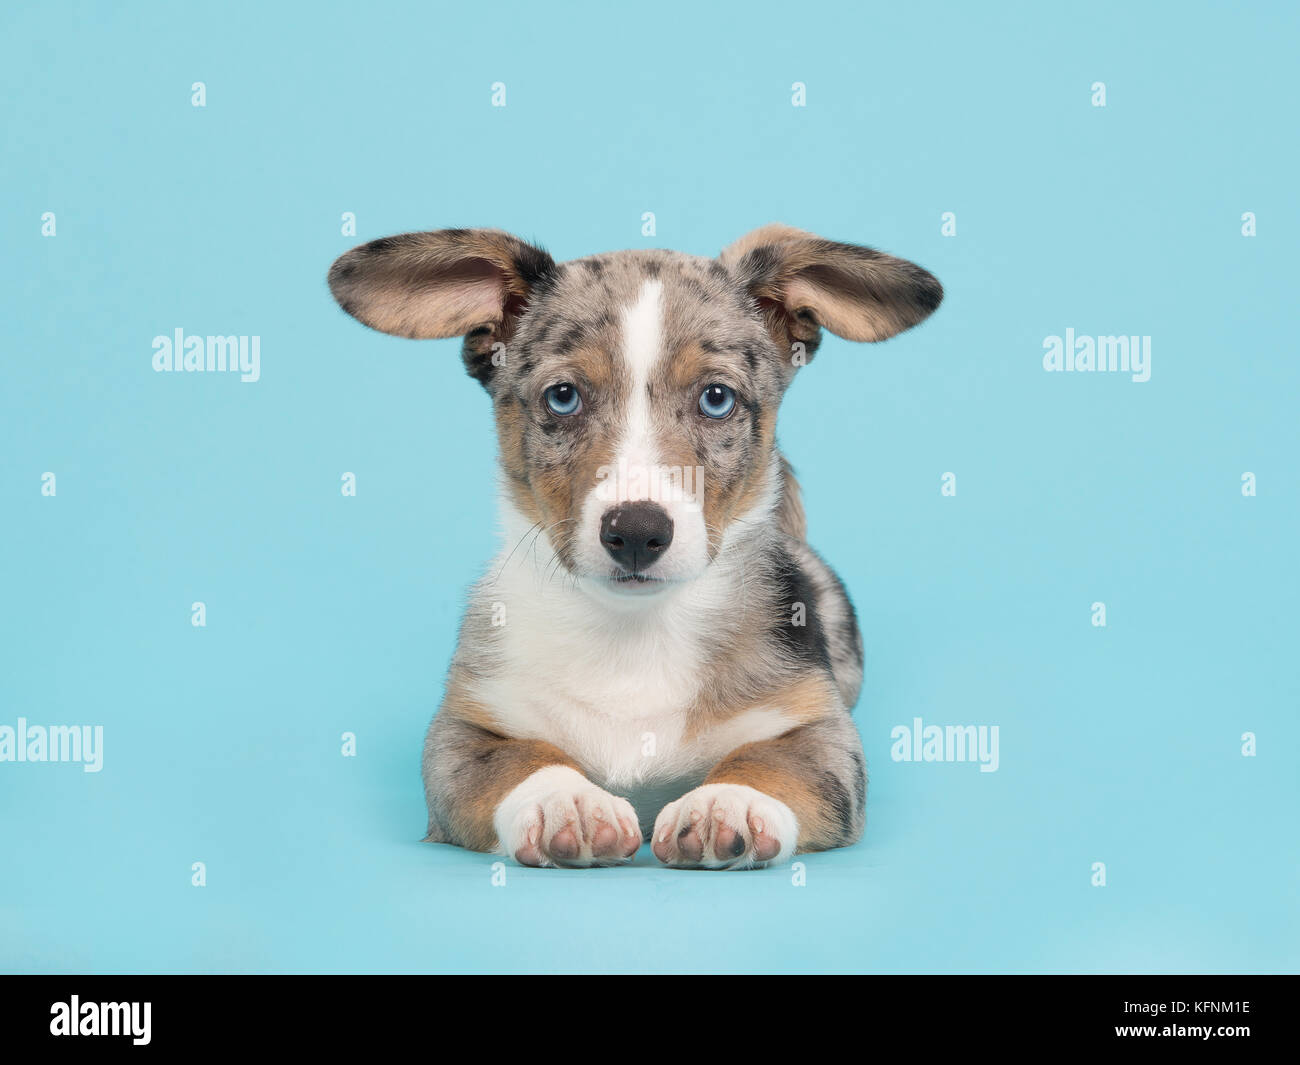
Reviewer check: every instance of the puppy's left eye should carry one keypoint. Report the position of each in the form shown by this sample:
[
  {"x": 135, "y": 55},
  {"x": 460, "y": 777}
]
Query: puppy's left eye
[{"x": 717, "y": 401}]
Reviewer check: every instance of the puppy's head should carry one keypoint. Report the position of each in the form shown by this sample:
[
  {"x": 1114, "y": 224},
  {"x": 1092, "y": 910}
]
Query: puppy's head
[{"x": 635, "y": 393}]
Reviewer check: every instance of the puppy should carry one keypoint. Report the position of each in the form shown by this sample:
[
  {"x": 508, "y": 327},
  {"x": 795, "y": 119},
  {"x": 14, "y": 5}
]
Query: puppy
[{"x": 656, "y": 646}]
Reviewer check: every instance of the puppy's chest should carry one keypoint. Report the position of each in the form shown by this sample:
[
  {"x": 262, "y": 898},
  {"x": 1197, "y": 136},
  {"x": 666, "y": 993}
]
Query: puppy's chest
[
  {"x": 622, "y": 699},
  {"x": 623, "y": 711}
]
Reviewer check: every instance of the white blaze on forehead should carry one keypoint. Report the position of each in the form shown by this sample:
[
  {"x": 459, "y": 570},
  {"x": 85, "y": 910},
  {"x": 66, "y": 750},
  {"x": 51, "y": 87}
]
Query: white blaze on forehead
[
  {"x": 643, "y": 331},
  {"x": 635, "y": 472},
  {"x": 642, "y": 350}
]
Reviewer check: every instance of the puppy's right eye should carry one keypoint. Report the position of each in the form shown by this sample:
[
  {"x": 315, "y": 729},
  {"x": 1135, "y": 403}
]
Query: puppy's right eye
[{"x": 563, "y": 399}]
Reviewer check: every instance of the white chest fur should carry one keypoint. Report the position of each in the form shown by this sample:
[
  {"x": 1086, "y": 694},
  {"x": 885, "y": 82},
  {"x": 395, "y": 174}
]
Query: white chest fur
[{"x": 611, "y": 680}]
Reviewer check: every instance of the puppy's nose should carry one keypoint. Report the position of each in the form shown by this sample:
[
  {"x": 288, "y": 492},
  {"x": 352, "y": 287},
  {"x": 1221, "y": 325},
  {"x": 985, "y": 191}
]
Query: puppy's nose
[{"x": 635, "y": 534}]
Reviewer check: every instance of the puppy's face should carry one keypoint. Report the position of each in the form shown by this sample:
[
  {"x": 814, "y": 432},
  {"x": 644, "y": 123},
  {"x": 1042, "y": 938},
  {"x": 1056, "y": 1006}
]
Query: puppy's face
[
  {"x": 636, "y": 407},
  {"x": 635, "y": 393}
]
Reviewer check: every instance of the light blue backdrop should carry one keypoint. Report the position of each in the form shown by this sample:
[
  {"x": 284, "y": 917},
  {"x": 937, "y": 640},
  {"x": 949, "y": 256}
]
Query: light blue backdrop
[{"x": 327, "y": 614}]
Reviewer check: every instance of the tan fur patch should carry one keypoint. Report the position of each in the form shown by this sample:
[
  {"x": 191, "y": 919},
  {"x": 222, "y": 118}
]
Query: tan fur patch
[
  {"x": 805, "y": 700},
  {"x": 493, "y": 766}
]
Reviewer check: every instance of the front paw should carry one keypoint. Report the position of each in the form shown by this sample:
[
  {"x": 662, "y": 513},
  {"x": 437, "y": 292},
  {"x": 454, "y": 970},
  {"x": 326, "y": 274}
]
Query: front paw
[
  {"x": 558, "y": 817},
  {"x": 724, "y": 826}
]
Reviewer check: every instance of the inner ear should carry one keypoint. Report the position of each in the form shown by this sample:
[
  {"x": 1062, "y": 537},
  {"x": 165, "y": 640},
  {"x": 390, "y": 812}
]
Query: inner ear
[
  {"x": 803, "y": 283},
  {"x": 787, "y": 326},
  {"x": 444, "y": 283},
  {"x": 861, "y": 294}
]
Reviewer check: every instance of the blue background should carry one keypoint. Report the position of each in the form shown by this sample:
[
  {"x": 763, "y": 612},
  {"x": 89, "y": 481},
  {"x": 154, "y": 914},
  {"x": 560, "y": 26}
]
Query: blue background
[{"x": 327, "y": 614}]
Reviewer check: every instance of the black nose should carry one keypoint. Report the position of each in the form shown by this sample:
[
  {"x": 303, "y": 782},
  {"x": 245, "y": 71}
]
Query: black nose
[{"x": 635, "y": 534}]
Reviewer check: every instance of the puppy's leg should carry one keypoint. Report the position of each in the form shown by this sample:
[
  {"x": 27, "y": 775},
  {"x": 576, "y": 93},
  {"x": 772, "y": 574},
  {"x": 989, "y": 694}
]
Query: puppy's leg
[
  {"x": 522, "y": 798},
  {"x": 802, "y": 791}
]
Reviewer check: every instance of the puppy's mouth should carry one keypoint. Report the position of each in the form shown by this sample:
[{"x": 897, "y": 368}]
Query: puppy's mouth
[{"x": 636, "y": 583}]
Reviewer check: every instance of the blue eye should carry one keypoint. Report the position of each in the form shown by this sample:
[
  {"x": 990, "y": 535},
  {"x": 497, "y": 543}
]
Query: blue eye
[
  {"x": 563, "y": 399},
  {"x": 717, "y": 401}
]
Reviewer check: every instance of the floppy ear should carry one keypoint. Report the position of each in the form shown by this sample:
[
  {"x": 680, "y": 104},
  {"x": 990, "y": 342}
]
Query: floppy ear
[
  {"x": 803, "y": 283},
  {"x": 452, "y": 282}
]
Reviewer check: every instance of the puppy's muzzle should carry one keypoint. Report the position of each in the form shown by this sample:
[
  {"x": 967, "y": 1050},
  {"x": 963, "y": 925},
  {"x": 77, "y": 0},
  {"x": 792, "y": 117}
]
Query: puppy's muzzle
[{"x": 636, "y": 534}]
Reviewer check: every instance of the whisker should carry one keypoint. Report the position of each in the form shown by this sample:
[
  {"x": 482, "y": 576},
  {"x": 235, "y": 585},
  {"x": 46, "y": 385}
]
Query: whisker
[
  {"x": 512, "y": 552},
  {"x": 553, "y": 525}
]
